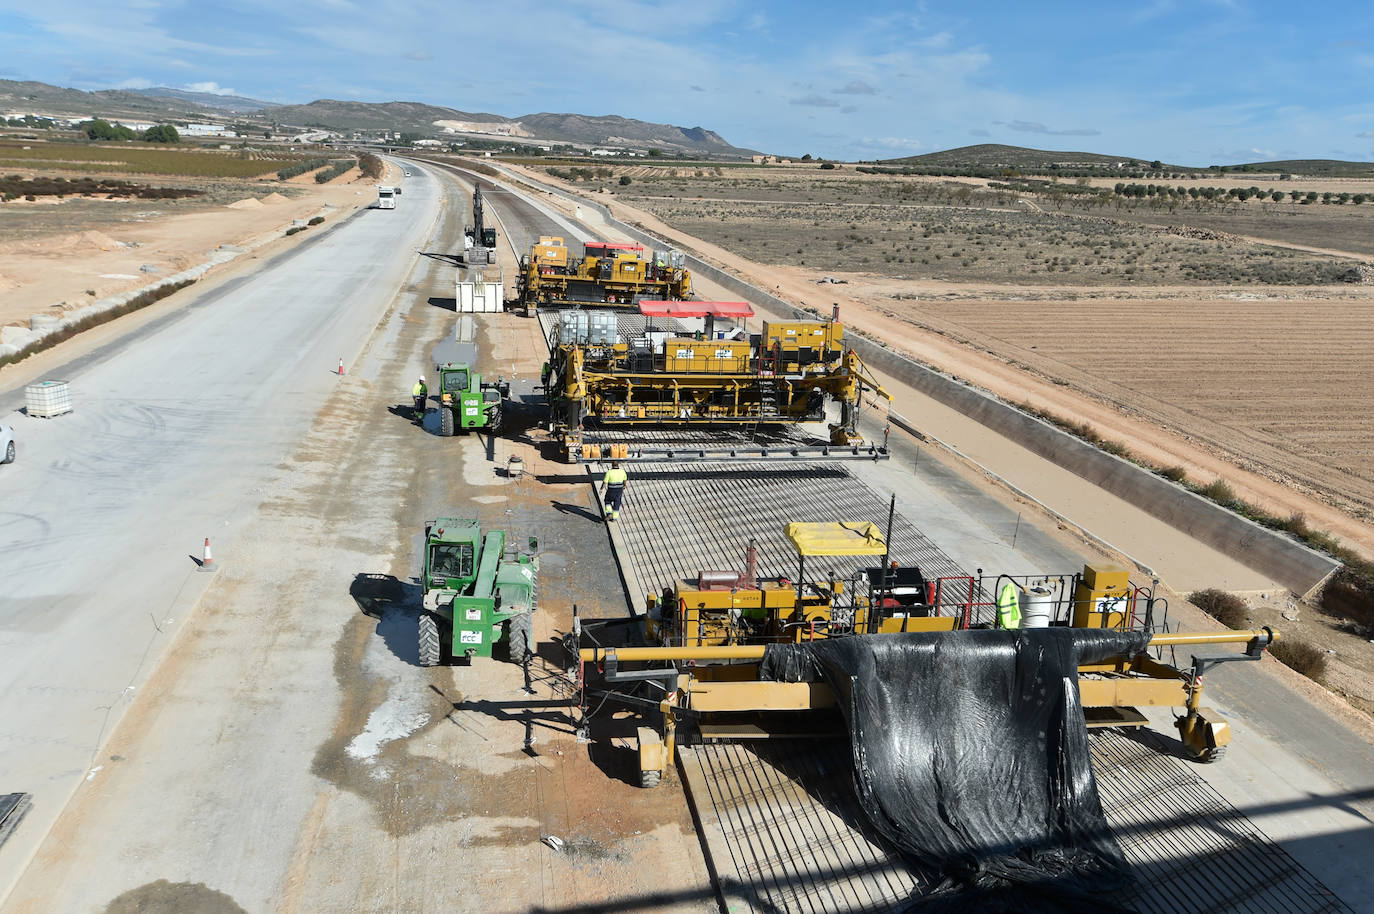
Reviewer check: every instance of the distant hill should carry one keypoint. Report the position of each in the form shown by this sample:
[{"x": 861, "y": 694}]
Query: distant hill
[
  {"x": 164, "y": 103},
  {"x": 1327, "y": 168},
  {"x": 233, "y": 103},
  {"x": 586, "y": 130},
  {"x": 622, "y": 131},
  {"x": 36, "y": 97},
  {"x": 994, "y": 155}
]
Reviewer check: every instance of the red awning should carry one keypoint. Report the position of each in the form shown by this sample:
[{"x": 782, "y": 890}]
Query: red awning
[{"x": 735, "y": 309}]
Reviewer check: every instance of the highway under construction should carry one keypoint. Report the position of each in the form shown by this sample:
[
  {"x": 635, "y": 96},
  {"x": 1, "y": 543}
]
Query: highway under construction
[{"x": 303, "y": 730}]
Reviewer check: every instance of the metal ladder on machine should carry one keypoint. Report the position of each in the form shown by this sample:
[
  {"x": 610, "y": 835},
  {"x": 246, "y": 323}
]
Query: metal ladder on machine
[{"x": 768, "y": 396}]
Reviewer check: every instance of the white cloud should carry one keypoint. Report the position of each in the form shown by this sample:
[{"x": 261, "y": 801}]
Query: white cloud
[
  {"x": 211, "y": 88},
  {"x": 892, "y": 142},
  {"x": 137, "y": 82},
  {"x": 815, "y": 101},
  {"x": 857, "y": 87},
  {"x": 1035, "y": 127}
]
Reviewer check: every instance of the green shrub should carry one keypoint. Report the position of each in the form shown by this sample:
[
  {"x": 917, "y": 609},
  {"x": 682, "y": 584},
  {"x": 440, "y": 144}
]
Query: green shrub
[
  {"x": 372, "y": 166},
  {"x": 315, "y": 220},
  {"x": 333, "y": 171},
  {"x": 1301, "y": 656},
  {"x": 294, "y": 229},
  {"x": 301, "y": 168},
  {"x": 1227, "y": 608},
  {"x": 1174, "y": 473},
  {"x": 1219, "y": 491},
  {"x": 162, "y": 133},
  {"x": 626, "y": 181}
]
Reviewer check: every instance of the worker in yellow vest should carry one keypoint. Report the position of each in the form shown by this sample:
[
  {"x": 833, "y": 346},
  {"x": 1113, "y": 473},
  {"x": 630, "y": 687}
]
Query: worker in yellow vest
[
  {"x": 613, "y": 490},
  {"x": 420, "y": 393},
  {"x": 1009, "y": 606}
]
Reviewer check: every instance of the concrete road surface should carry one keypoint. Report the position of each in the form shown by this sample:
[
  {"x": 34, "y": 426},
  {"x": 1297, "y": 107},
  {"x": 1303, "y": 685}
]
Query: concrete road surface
[{"x": 175, "y": 432}]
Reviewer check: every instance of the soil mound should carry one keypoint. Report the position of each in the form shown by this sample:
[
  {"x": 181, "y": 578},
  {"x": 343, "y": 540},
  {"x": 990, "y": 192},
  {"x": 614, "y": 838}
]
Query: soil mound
[{"x": 245, "y": 203}]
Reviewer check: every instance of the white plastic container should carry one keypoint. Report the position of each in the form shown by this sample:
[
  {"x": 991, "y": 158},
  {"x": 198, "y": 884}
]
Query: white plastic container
[
  {"x": 47, "y": 399},
  {"x": 1038, "y": 602}
]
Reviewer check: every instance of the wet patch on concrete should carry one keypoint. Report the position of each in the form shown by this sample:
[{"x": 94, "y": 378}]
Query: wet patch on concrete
[
  {"x": 369, "y": 753},
  {"x": 163, "y": 897}
]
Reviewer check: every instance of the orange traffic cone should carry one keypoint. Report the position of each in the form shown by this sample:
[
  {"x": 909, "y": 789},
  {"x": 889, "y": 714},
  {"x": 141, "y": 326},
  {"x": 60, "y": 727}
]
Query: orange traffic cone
[
  {"x": 207, "y": 561},
  {"x": 341, "y": 366}
]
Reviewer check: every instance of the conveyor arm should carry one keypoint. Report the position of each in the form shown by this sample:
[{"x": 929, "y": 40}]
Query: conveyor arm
[{"x": 1255, "y": 639}]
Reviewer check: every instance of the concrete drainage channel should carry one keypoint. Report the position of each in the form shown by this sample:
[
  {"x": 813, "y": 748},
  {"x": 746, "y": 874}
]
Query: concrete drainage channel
[{"x": 1290, "y": 564}]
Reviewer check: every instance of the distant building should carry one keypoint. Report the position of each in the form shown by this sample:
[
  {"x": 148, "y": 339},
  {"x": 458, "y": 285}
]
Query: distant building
[{"x": 205, "y": 130}]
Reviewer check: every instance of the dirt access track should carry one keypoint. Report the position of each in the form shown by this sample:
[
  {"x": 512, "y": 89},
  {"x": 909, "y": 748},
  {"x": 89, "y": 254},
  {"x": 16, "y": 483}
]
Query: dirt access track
[{"x": 1265, "y": 388}]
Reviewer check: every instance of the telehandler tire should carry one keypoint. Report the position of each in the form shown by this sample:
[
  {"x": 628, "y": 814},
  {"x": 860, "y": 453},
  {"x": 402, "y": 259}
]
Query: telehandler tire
[
  {"x": 445, "y": 422},
  {"x": 431, "y": 648},
  {"x": 520, "y": 637}
]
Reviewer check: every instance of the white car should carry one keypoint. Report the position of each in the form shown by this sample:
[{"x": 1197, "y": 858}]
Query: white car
[{"x": 6, "y": 443}]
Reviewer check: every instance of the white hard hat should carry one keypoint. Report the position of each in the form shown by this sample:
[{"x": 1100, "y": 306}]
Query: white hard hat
[{"x": 422, "y": 379}]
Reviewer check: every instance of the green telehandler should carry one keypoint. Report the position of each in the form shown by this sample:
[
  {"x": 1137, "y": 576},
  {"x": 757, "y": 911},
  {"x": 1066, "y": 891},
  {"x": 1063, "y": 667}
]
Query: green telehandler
[
  {"x": 478, "y": 592},
  {"x": 466, "y": 401}
]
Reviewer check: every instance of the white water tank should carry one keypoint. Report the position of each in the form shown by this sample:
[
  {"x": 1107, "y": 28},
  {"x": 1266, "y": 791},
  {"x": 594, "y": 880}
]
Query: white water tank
[{"x": 1038, "y": 602}]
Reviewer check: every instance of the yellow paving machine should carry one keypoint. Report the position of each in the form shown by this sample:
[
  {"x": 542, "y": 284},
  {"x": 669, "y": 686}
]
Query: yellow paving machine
[
  {"x": 608, "y": 275},
  {"x": 706, "y": 638},
  {"x": 717, "y": 375}
]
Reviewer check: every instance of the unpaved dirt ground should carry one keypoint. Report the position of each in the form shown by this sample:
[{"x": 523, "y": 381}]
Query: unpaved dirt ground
[{"x": 57, "y": 257}]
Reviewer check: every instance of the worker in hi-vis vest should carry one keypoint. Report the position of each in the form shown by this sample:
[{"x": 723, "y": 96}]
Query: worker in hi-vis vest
[
  {"x": 421, "y": 395},
  {"x": 1009, "y": 606},
  {"x": 613, "y": 490}
]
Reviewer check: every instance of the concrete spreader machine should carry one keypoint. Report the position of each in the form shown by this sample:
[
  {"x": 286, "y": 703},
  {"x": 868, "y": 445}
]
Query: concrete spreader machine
[
  {"x": 696, "y": 365},
  {"x": 607, "y": 275},
  {"x": 705, "y": 640}
]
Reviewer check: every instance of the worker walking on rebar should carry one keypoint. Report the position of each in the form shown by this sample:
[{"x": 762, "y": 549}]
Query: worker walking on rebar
[
  {"x": 1009, "y": 606},
  {"x": 613, "y": 490}
]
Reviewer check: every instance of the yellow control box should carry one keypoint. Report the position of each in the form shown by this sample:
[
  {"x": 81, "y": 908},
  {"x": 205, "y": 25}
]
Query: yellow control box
[
  {"x": 684, "y": 355},
  {"x": 797, "y": 334},
  {"x": 1102, "y": 598}
]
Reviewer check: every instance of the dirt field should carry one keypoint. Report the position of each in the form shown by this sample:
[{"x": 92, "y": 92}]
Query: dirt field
[
  {"x": 923, "y": 228},
  {"x": 56, "y": 256}
]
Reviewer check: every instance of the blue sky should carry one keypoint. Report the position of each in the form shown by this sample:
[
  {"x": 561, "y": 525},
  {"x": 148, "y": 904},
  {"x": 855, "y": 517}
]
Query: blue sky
[{"x": 1193, "y": 82}]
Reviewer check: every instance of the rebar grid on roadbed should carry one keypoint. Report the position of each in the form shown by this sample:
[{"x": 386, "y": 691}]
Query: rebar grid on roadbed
[
  {"x": 678, "y": 521},
  {"x": 1190, "y": 850},
  {"x": 780, "y": 819}
]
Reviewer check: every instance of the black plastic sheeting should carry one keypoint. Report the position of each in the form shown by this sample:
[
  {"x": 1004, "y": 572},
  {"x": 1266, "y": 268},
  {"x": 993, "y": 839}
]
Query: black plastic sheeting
[{"x": 971, "y": 757}]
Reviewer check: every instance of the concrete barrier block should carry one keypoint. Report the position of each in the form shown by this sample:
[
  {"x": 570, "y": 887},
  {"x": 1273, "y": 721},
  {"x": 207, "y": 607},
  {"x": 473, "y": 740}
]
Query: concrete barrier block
[{"x": 18, "y": 337}]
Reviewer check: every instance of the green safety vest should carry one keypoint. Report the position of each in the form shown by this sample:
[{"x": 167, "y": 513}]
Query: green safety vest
[
  {"x": 615, "y": 477},
  {"x": 1008, "y": 606},
  {"x": 419, "y": 390}
]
